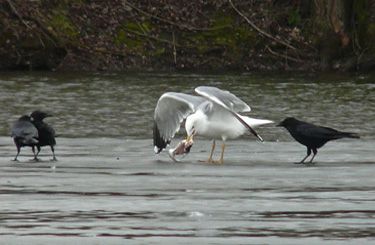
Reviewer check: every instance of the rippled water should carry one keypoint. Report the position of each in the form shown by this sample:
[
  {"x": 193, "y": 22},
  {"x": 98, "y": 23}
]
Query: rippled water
[
  {"x": 122, "y": 105},
  {"x": 109, "y": 187}
]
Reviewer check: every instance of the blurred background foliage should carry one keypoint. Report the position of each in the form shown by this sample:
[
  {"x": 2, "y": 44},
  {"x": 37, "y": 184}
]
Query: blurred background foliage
[{"x": 116, "y": 35}]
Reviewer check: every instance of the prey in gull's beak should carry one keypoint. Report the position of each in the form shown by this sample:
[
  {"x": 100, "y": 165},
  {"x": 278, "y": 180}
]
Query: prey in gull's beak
[{"x": 183, "y": 148}]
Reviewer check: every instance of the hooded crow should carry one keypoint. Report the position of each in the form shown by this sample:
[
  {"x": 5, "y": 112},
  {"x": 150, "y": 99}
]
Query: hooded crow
[{"x": 24, "y": 133}]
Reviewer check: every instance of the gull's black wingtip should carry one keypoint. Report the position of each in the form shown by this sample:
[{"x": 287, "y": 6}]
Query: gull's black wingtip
[
  {"x": 159, "y": 142},
  {"x": 247, "y": 126},
  {"x": 260, "y": 138}
]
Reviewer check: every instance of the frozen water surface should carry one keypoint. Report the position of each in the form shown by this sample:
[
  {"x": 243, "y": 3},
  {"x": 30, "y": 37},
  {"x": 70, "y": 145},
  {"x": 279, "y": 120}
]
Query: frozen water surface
[{"x": 108, "y": 186}]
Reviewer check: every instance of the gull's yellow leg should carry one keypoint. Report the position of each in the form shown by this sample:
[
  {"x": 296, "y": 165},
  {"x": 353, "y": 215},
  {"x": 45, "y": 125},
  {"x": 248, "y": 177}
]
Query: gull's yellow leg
[
  {"x": 221, "y": 160},
  {"x": 212, "y": 152}
]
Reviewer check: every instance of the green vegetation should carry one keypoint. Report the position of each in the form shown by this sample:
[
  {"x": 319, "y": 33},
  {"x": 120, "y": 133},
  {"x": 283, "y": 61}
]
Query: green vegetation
[
  {"x": 65, "y": 30},
  {"x": 204, "y": 35}
]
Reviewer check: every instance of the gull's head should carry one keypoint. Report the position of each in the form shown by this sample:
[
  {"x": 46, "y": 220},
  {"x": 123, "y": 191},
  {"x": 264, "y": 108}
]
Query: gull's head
[{"x": 192, "y": 126}]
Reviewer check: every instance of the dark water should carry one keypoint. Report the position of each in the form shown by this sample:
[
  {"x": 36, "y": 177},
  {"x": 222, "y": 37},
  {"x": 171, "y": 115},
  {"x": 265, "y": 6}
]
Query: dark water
[{"x": 109, "y": 187}]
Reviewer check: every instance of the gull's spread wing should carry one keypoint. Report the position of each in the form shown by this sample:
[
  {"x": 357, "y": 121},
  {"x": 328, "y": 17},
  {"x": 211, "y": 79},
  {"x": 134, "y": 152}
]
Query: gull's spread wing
[
  {"x": 223, "y": 98},
  {"x": 171, "y": 109},
  {"x": 229, "y": 101}
]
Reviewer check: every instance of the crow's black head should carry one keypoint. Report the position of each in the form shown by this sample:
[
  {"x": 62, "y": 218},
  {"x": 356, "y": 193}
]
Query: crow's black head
[
  {"x": 288, "y": 122},
  {"x": 39, "y": 115}
]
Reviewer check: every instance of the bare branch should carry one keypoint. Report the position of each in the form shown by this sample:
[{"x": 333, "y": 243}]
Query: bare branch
[
  {"x": 282, "y": 55},
  {"x": 16, "y": 13},
  {"x": 174, "y": 50},
  {"x": 192, "y": 28},
  {"x": 153, "y": 37},
  {"x": 258, "y": 29}
]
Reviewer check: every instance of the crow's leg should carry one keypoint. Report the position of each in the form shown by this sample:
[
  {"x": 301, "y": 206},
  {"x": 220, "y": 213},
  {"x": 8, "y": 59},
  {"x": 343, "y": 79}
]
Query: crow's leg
[
  {"x": 308, "y": 154},
  {"x": 18, "y": 152},
  {"x": 53, "y": 152},
  {"x": 315, "y": 151},
  {"x": 36, "y": 155}
]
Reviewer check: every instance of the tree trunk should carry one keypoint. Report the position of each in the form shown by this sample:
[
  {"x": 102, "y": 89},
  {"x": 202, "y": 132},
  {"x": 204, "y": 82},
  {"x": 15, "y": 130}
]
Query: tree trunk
[{"x": 344, "y": 28}]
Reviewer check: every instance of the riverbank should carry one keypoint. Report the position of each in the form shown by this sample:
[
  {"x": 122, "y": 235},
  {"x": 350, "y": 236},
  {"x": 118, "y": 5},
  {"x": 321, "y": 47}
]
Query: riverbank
[{"x": 78, "y": 35}]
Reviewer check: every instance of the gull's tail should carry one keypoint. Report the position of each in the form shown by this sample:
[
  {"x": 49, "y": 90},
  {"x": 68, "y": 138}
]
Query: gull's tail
[
  {"x": 252, "y": 122},
  {"x": 249, "y": 123}
]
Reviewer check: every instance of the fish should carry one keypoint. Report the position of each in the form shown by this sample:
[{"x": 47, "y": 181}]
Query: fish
[{"x": 182, "y": 149}]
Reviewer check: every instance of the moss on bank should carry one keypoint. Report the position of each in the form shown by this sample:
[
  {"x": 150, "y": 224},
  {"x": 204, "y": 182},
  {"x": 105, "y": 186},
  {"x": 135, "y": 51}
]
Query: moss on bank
[{"x": 196, "y": 35}]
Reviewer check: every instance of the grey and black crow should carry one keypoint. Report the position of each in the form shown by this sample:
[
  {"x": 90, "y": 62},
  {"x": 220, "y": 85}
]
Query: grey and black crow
[
  {"x": 46, "y": 133},
  {"x": 24, "y": 133},
  {"x": 312, "y": 136}
]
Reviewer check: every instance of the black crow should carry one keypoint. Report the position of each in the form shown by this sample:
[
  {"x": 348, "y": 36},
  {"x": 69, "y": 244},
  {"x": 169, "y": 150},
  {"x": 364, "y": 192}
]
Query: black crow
[
  {"x": 24, "y": 134},
  {"x": 46, "y": 133},
  {"x": 312, "y": 136}
]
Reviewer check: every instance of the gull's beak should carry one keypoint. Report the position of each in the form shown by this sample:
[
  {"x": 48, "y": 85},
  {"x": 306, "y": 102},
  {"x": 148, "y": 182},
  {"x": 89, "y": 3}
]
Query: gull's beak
[{"x": 188, "y": 139}]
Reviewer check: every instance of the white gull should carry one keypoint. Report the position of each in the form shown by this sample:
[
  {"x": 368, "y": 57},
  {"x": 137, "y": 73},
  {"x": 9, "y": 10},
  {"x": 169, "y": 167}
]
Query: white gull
[{"x": 213, "y": 114}]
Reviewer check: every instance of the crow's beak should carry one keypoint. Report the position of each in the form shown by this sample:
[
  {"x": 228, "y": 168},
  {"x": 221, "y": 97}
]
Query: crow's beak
[
  {"x": 279, "y": 125},
  {"x": 48, "y": 115}
]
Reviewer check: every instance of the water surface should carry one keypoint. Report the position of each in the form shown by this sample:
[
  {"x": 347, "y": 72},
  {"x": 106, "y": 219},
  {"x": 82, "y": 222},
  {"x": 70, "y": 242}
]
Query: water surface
[{"x": 109, "y": 187}]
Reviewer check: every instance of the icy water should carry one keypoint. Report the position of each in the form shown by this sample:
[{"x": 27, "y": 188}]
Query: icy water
[{"x": 108, "y": 186}]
